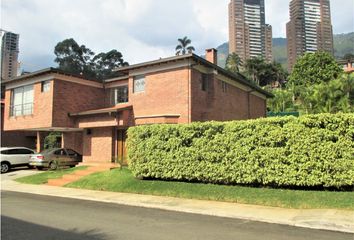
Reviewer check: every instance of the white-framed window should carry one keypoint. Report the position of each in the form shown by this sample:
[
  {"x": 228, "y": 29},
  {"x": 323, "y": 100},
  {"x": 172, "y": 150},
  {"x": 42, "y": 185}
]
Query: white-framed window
[
  {"x": 120, "y": 95},
  {"x": 46, "y": 86},
  {"x": 22, "y": 101},
  {"x": 139, "y": 84}
]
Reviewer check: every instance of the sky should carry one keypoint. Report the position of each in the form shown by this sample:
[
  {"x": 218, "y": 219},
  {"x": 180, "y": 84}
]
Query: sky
[{"x": 141, "y": 30}]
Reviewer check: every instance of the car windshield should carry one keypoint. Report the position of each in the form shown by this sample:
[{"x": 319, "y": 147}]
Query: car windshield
[{"x": 47, "y": 151}]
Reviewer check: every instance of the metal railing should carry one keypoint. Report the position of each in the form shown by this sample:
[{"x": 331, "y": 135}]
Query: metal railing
[{"x": 21, "y": 109}]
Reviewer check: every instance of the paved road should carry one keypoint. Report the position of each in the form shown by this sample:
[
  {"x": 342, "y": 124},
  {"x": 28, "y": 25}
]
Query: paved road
[{"x": 26, "y": 216}]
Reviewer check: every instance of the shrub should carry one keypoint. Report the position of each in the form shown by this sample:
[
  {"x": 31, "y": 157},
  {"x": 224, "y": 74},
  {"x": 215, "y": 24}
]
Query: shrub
[{"x": 310, "y": 151}]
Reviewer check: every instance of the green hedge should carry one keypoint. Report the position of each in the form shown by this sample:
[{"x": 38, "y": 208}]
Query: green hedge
[{"x": 309, "y": 151}]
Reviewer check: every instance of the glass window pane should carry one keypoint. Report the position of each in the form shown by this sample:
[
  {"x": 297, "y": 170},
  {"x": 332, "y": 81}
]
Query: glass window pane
[
  {"x": 45, "y": 86},
  {"x": 139, "y": 84}
]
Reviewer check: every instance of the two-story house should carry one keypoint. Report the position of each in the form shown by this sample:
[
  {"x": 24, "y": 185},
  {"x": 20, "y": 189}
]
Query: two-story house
[{"x": 94, "y": 116}]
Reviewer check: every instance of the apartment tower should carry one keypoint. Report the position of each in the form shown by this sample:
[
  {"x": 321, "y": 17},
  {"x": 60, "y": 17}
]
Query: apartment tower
[
  {"x": 309, "y": 29},
  {"x": 249, "y": 36},
  {"x": 9, "y": 54}
]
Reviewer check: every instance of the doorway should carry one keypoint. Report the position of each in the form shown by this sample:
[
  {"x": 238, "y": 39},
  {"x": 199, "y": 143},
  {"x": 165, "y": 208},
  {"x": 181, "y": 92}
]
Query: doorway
[{"x": 121, "y": 153}]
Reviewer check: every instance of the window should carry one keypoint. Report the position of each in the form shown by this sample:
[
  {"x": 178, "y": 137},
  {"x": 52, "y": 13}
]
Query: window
[
  {"x": 17, "y": 151},
  {"x": 120, "y": 95},
  {"x": 139, "y": 84},
  {"x": 224, "y": 86},
  {"x": 71, "y": 152},
  {"x": 22, "y": 101},
  {"x": 60, "y": 152},
  {"x": 205, "y": 82},
  {"x": 45, "y": 86}
]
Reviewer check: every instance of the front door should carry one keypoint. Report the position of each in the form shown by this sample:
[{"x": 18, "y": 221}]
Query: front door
[{"x": 121, "y": 148}]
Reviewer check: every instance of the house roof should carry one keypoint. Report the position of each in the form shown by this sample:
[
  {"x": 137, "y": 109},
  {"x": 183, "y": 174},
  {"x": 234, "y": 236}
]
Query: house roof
[
  {"x": 117, "y": 108},
  {"x": 46, "y": 71},
  {"x": 237, "y": 77}
]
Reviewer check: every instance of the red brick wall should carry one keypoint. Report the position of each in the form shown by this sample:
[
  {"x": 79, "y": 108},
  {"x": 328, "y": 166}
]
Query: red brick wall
[
  {"x": 73, "y": 140},
  {"x": 258, "y": 107},
  {"x": 166, "y": 92},
  {"x": 42, "y": 111},
  {"x": 215, "y": 104},
  {"x": 72, "y": 97},
  {"x": 98, "y": 146}
]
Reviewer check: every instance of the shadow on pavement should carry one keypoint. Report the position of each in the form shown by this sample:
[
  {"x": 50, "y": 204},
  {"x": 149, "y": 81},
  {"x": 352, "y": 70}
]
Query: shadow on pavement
[{"x": 17, "y": 229}]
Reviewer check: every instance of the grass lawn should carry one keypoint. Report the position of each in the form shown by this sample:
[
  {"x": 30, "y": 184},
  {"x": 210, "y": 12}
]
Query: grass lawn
[
  {"x": 42, "y": 178},
  {"x": 121, "y": 180}
]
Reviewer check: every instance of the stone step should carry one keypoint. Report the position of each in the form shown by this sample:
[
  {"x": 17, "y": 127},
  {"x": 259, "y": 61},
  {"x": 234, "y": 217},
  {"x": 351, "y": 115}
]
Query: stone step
[
  {"x": 58, "y": 182},
  {"x": 83, "y": 172},
  {"x": 71, "y": 177},
  {"x": 98, "y": 164}
]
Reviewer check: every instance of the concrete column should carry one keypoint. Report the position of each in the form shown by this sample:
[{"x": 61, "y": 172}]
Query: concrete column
[{"x": 38, "y": 144}]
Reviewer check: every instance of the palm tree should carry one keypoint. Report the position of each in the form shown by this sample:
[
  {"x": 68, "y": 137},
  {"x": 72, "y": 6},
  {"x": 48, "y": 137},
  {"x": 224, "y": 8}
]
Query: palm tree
[
  {"x": 233, "y": 63},
  {"x": 183, "y": 46}
]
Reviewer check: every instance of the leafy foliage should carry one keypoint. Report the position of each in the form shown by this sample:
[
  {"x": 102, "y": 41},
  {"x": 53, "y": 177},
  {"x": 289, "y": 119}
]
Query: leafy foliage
[
  {"x": 52, "y": 140},
  {"x": 184, "y": 46},
  {"x": 314, "y": 68},
  {"x": 233, "y": 63},
  {"x": 313, "y": 150},
  {"x": 281, "y": 102},
  {"x": 81, "y": 60},
  {"x": 264, "y": 73}
]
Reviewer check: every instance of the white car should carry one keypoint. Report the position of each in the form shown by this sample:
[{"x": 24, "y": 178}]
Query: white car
[{"x": 14, "y": 157}]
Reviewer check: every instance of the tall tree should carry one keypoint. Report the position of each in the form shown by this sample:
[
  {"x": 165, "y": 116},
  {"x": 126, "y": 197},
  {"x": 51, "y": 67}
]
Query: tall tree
[
  {"x": 74, "y": 58},
  {"x": 81, "y": 60},
  {"x": 255, "y": 68},
  {"x": 104, "y": 63},
  {"x": 184, "y": 46},
  {"x": 233, "y": 63}
]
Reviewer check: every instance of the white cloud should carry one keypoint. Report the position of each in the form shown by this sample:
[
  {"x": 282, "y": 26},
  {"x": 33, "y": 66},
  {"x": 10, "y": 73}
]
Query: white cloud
[{"x": 141, "y": 29}]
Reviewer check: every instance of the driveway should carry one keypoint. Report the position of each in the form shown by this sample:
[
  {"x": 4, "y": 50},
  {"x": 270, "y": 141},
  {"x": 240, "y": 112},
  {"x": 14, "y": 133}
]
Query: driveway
[{"x": 17, "y": 173}]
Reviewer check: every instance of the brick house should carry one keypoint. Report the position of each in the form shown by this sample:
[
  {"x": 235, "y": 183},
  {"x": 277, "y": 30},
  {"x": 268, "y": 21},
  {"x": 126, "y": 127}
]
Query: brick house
[{"x": 94, "y": 116}]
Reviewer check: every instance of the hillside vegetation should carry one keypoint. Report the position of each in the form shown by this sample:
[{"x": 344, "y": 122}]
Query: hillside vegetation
[{"x": 343, "y": 44}]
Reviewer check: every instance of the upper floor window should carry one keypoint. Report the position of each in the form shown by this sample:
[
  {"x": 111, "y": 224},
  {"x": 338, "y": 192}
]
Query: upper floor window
[
  {"x": 224, "y": 86},
  {"x": 139, "y": 84},
  {"x": 120, "y": 95},
  {"x": 22, "y": 101},
  {"x": 45, "y": 86}
]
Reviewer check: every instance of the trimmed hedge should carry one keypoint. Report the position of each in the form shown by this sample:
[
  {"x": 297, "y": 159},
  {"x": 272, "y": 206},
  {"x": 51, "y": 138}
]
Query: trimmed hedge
[{"x": 309, "y": 151}]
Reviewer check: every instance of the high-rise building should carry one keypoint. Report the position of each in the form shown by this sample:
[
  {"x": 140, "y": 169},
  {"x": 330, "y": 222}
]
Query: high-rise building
[
  {"x": 9, "y": 54},
  {"x": 249, "y": 36},
  {"x": 309, "y": 29}
]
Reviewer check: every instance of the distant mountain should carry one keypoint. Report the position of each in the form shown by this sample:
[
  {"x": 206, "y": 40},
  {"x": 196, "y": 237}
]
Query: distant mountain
[{"x": 343, "y": 43}]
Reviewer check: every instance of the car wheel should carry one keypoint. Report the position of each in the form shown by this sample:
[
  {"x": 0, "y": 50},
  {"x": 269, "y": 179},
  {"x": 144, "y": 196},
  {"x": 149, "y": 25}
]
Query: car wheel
[
  {"x": 5, "y": 167},
  {"x": 53, "y": 165}
]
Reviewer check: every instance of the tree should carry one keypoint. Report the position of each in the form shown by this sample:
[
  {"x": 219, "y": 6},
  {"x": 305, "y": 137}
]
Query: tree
[
  {"x": 264, "y": 73},
  {"x": 73, "y": 58},
  {"x": 233, "y": 63},
  {"x": 314, "y": 68},
  {"x": 349, "y": 57},
  {"x": 255, "y": 68},
  {"x": 104, "y": 63},
  {"x": 81, "y": 60},
  {"x": 183, "y": 46},
  {"x": 281, "y": 102}
]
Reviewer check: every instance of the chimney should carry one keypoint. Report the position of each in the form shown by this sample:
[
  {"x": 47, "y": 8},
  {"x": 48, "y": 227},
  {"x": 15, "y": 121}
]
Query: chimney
[{"x": 211, "y": 55}]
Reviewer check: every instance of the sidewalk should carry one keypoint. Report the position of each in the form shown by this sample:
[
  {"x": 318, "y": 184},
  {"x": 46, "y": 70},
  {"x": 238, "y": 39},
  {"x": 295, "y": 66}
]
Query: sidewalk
[{"x": 335, "y": 220}]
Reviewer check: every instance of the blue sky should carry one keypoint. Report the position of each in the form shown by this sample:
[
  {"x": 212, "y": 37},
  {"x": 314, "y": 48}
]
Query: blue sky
[{"x": 141, "y": 29}]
